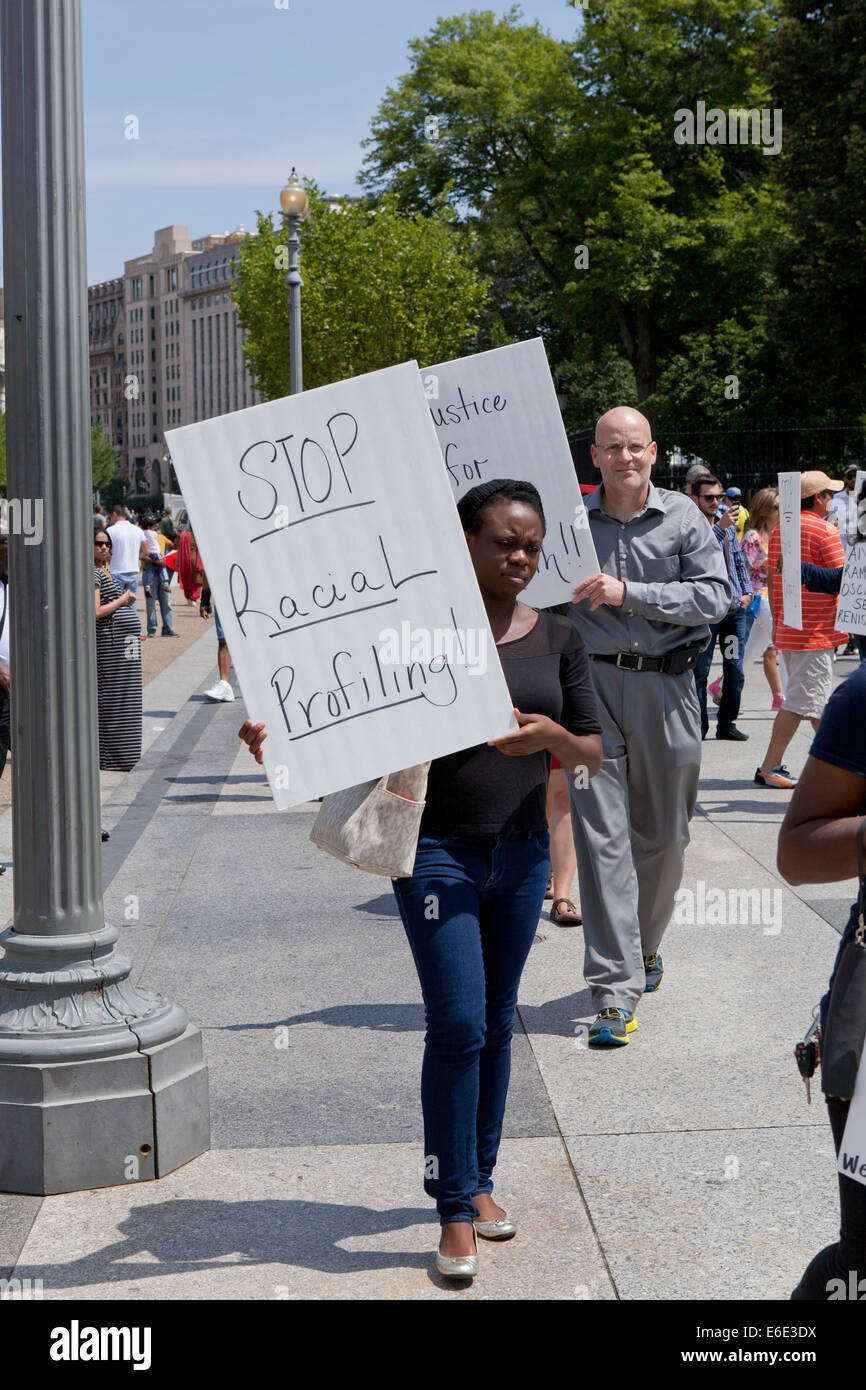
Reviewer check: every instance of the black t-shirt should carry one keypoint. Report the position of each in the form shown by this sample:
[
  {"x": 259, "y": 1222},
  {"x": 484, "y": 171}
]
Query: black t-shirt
[
  {"x": 841, "y": 740},
  {"x": 841, "y": 736},
  {"x": 480, "y": 791}
]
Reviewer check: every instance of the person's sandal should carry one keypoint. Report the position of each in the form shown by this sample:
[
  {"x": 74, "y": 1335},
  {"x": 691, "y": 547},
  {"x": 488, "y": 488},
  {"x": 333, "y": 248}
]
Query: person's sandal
[
  {"x": 569, "y": 918},
  {"x": 548, "y": 892}
]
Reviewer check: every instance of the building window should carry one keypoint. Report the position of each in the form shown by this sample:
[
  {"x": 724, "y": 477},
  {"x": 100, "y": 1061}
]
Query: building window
[{"x": 151, "y": 280}]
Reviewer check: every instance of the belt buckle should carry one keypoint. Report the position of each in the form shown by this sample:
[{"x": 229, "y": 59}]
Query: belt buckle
[{"x": 631, "y": 662}]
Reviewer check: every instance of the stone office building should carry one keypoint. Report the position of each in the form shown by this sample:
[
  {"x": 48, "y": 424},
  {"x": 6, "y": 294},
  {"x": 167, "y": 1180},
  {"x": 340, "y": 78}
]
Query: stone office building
[
  {"x": 107, "y": 341},
  {"x": 185, "y": 359}
]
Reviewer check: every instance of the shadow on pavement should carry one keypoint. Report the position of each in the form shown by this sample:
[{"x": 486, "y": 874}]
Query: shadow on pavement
[
  {"x": 190, "y": 1236},
  {"x": 557, "y": 1016}
]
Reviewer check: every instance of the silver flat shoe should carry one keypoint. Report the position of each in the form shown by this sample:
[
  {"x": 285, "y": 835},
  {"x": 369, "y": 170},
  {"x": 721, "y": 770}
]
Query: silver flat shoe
[
  {"x": 457, "y": 1266},
  {"x": 503, "y": 1229}
]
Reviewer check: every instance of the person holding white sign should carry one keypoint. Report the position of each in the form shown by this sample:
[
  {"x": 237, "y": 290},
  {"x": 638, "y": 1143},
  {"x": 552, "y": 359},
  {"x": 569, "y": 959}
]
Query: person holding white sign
[
  {"x": 818, "y": 844},
  {"x": 805, "y": 654},
  {"x": 843, "y": 508},
  {"x": 472, "y": 904},
  {"x": 645, "y": 618},
  {"x": 842, "y": 514}
]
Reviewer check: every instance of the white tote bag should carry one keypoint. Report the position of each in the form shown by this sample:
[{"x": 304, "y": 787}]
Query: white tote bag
[{"x": 374, "y": 825}]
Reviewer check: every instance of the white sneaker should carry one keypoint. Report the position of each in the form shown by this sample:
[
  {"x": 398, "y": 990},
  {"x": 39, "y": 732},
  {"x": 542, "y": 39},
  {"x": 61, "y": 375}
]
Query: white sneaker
[{"x": 221, "y": 691}]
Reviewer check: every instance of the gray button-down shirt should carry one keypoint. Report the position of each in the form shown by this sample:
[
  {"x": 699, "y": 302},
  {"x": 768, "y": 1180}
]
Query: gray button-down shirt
[{"x": 673, "y": 570}]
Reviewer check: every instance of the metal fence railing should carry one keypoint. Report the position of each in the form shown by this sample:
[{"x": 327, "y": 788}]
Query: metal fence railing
[{"x": 745, "y": 458}]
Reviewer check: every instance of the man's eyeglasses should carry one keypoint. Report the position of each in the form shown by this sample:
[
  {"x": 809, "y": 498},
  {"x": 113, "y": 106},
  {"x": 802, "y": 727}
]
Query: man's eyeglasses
[
  {"x": 828, "y": 492},
  {"x": 634, "y": 449},
  {"x": 711, "y": 496}
]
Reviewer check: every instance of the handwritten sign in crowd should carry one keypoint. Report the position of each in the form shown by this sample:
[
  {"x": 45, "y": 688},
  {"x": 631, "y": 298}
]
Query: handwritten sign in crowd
[
  {"x": 789, "y": 521},
  {"x": 852, "y": 1151},
  {"x": 851, "y": 612},
  {"x": 497, "y": 416},
  {"x": 334, "y": 552}
]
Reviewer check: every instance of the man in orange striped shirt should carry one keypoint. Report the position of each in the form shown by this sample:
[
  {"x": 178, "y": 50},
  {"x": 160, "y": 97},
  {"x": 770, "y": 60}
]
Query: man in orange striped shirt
[{"x": 805, "y": 654}]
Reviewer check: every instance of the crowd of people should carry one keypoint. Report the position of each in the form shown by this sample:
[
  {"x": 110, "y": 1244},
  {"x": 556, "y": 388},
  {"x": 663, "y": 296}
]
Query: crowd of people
[
  {"x": 601, "y": 777},
  {"x": 130, "y": 549},
  {"x": 610, "y": 695}
]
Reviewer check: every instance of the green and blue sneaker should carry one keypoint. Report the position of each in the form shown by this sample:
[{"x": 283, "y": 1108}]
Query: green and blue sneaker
[
  {"x": 654, "y": 970},
  {"x": 611, "y": 1028}
]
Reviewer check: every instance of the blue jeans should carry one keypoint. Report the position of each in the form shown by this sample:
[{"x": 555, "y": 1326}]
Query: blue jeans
[
  {"x": 129, "y": 579},
  {"x": 153, "y": 580},
  {"x": 470, "y": 910},
  {"x": 731, "y": 632}
]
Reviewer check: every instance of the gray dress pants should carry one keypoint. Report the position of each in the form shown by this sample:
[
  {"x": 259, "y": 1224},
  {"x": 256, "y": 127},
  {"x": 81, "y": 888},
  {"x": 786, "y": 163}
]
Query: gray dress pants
[{"x": 631, "y": 824}]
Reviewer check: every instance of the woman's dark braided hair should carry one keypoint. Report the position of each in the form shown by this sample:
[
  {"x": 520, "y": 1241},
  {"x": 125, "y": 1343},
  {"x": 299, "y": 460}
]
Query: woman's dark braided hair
[{"x": 472, "y": 504}]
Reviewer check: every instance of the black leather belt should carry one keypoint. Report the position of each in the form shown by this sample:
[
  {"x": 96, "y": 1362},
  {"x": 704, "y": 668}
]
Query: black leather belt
[{"x": 671, "y": 664}]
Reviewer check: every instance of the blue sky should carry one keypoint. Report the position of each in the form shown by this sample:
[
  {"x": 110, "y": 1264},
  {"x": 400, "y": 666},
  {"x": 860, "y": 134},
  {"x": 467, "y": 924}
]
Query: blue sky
[{"x": 228, "y": 95}]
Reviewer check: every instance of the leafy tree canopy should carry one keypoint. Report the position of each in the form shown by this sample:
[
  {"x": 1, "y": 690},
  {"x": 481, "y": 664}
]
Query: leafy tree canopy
[{"x": 380, "y": 286}]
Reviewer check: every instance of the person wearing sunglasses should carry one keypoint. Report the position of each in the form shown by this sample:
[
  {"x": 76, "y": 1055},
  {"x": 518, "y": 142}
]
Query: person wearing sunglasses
[
  {"x": 732, "y": 631},
  {"x": 805, "y": 653},
  {"x": 118, "y": 664}
]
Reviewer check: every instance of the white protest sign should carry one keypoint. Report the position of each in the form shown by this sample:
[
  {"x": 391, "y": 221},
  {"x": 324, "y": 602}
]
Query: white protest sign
[
  {"x": 852, "y": 1150},
  {"x": 851, "y": 611},
  {"x": 496, "y": 416},
  {"x": 858, "y": 506},
  {"x": 789, "y": 520},
  {"x": 343, "y": 582}
]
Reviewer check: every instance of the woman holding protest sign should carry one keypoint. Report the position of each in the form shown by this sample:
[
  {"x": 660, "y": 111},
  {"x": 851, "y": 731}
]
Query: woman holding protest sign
[{"x": 471, "y": 906}]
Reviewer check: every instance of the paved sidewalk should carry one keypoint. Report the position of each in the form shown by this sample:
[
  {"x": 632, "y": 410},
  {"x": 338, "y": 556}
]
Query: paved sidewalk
[{"x": 687, "y": 1165}]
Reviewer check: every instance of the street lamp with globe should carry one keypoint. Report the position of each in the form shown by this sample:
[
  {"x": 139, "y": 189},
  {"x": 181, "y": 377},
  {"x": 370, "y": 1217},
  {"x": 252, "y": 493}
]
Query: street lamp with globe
[{"x": 295, "y": 205}]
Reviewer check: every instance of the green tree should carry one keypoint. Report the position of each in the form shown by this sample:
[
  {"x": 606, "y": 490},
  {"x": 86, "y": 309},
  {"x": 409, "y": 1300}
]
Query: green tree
[
  {"x": 115, "y": 490},
  {"x": 483, "y": 118},
  {"x": 598, "y": 229},
  {"x": 380, "y": 286},
  {"x": 103, "y": 456},
  {"x": 819, "y": 73}
]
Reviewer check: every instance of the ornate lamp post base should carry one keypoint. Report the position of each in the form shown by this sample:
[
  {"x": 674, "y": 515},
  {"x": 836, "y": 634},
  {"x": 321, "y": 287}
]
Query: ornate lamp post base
[{"x": 101, "y": 1082}]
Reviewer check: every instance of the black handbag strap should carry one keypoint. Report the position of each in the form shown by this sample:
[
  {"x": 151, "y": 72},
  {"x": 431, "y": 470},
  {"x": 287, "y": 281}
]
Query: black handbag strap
[{"x": 860, "y": 933}]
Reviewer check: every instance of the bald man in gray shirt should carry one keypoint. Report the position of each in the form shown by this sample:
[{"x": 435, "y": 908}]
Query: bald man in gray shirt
[{"x": 644, "y": 619}]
